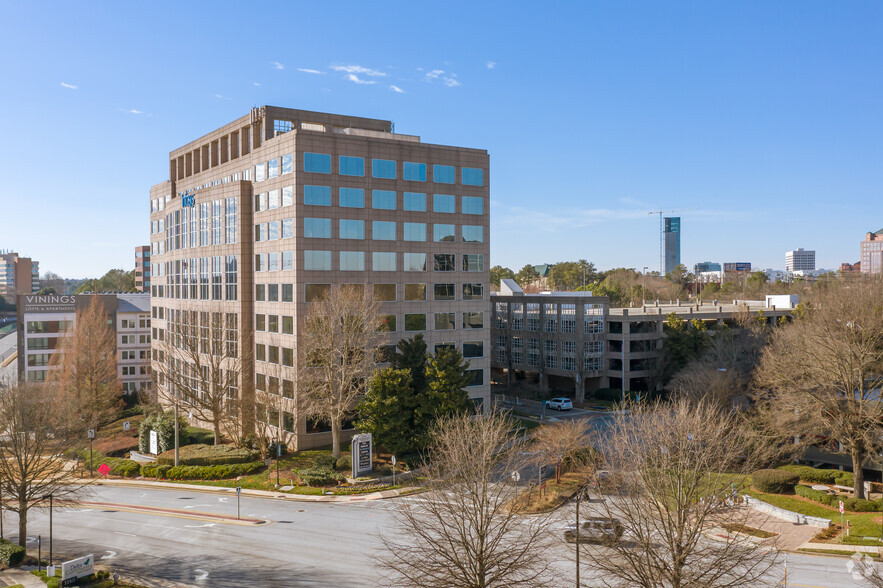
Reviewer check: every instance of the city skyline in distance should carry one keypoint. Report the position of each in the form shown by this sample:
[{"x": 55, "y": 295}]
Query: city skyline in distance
[{"x": 762, "y": 118}]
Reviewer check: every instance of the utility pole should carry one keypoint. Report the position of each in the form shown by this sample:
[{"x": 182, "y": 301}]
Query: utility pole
[{"x": 176, "y": 432}]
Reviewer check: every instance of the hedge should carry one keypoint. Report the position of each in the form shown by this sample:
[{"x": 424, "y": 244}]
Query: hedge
[
  {"x": 10, "y": 553},
  {"x": 850, "y": 504},
  {"x": 215, "y": 472},
  {"x": 775, "y": 481},
  {"x": 150, "y": 470},
  {"x": 207, "y": 455},
  {"x": 125, "y": 468},
  {"x": 814, "y": 475}
]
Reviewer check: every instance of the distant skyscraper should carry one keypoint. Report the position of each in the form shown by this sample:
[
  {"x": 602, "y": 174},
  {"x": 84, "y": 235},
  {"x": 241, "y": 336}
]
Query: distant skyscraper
[
  {"x": 800, "y": 260},
  {"x": 671, "y": 236}
]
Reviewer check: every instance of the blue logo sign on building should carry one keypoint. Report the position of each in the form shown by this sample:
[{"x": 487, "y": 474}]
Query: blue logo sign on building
[{"x": 188, "y": 200}]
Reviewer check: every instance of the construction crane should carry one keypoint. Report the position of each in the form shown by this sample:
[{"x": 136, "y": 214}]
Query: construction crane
[{"x": 660, "y": 212}]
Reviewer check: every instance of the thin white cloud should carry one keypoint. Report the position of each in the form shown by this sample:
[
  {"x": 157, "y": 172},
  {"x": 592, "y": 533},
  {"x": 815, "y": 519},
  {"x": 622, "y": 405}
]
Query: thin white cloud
[
  {"x": 221, "y": 97},
  {"x": 357, "y": 80},
  {"x": 257, "y": 84},
  {"x": 70, "y": 86},
  {"x": 358, "y": 69},
  {"x": 396, "y": 89},
  {"x": 434, "y": 74},
  {"x": 310, "y": 71},
  {"x": 491, "y": 64},
  {"x": 447, "y": 78},
  {"x": 451, "y": 82},
  {"x": 277, "y": 65},
  {"x": 133, "y": 111}
]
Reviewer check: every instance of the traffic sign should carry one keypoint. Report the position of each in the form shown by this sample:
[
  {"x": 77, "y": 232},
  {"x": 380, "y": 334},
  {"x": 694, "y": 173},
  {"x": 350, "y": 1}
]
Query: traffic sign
[
  {"x": 127, "y": 426},
  {"x": 90, "y": 433},
  {"x": 104, "y": 469},
  {"x": 516, "y": 477},
  {"x": 841, "y": 507},
  {"x": 393, "y": 460},
  {"x": 238, "y": 490}
]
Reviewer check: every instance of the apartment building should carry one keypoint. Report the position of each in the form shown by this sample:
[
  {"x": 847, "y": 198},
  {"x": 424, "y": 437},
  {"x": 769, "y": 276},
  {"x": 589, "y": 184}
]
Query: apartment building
[
  {"x": 44, "y": 320},
  {"x": 800, "y": 260},
  {"x": 871, "y": 261},
  {"x": 18, "y": 275},
  {"x": 261, "y": 217},
  {"x": 142, "y": 268}
]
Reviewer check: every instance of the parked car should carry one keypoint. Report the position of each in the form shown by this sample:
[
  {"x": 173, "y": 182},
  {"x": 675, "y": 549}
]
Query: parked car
[
  {"x": 597, "y": 531},
  {"x": 559, "y": 403}
]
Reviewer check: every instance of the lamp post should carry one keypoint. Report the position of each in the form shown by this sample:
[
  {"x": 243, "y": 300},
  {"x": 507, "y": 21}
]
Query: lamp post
[{"x": 176, "y": 432}]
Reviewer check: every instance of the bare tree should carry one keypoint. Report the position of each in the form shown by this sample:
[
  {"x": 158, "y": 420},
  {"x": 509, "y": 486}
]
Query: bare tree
[
  {"x": 84, "y": 371},
  {"x": 674, "y": 467},
  {"x": 464, "y": 533},
  {"x": 201, "y": 367},
  {"x": 824, "y": 373},
  {"x": 556, "y": 441},
  {"x": 35, "y": 435},
  {"x": 336, "y": 356}
]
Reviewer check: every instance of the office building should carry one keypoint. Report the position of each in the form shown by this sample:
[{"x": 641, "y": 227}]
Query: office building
[
  {"x": 18, "y": 275},
  {"x": 265, "y": 215},
  {"x": 44, "y": 320},
  {"x": 671, "y": 238},
  {"x": 800, "y": 260},
  {"x": 706, "y": 266},
  {"x": 872, "y": 253},
  {"x": 142, "y": 268}
]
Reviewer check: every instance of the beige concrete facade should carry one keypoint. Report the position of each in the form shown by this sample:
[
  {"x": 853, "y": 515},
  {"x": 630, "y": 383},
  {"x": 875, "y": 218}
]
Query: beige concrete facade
[
  {"x": 301, "y": 223},
  {"x": 142, "y": 268}
]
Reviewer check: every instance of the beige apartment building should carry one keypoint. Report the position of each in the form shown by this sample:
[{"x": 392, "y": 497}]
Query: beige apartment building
[
  {"x": 262, "y": 216},
  {"x": 18, "y": 275}
]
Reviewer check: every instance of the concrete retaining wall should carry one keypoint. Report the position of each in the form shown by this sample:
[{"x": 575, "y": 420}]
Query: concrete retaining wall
[{"x": 788, "y": 515}]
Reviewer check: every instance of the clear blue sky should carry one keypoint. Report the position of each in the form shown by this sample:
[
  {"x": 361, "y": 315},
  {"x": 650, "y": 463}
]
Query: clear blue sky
[{"x": 764, "y": 117}]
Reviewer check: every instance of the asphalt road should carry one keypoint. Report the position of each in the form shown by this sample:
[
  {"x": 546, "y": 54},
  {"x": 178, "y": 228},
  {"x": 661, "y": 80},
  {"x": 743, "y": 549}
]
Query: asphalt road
[{"x": 304, "y": 544}]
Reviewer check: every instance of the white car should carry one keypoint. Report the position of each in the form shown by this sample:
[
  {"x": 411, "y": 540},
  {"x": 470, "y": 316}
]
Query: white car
[{"x": 559, "y": 403}]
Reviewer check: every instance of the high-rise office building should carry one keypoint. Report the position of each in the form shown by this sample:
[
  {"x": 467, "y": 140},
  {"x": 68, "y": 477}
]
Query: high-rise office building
[
  {"x": 142, "y": 268},
  {"x": 266, "y": 214},
  {"x": 671, "y": 236},
  {"x": 872, "y": 253},
  {"x": 800, "y": 260},
  {"x": 18, "y": 275}
]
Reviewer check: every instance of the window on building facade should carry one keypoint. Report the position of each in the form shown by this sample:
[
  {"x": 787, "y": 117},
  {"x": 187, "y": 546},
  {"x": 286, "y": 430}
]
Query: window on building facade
[
  {"x": 351, "y": 166},
  {"x": 444, "y": 203},
  {"x": 445, "y": 321},
  {"x": 473, "y": 349},
  {"x": 414, "y": 201},
  {"x": 382, "y": 261},
  {"x": 415, "y": 292},
  {"x": 317, "y": 163},
  {"x": 414, "y": 231},
  {"x": 316, "y": 292},
  {"x": 415, "y": 322},
  {"x": 473, "y": 262},
  {"x": 317, "y": 228},
  {"x": 383, "y": 231},
  {"x": 414, "y": 262},
  {"x": 383, "y": 199},
  {"x": 352, "y": 261},
  {"x": 472, "y": 234},
  {"x": 473, "y": 291},
  {"x": 473, "y": 320},
  {"x": 415, "y": 172},
  {"x": 444, "y": 233},
  {"x": 317, "y": 195},
  {"x": 317, "y": 260},
  {"x": 385, "y": 292},
  {"x": 444, "y": 262},
  {"x": 472, "y": 205},
  {"x": 352, "y": 198},
  {"x": 386, "y": 323},
  {"x": 352, "y": 229},
  {"x": 444, "y": 291},
  {"x": 472, "y": 176},
  {"x": 383, "y": 168},
  {"x": 444, "y": 174}
]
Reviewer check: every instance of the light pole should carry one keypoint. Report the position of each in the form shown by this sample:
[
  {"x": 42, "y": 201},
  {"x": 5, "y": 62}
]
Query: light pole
[
  {"x": 644, "y": 286},
  {"x": 50, "y": 526},
  {"x": 176, "y": 432}
]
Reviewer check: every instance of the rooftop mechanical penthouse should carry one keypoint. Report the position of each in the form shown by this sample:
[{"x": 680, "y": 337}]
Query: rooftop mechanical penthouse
[{"x": 262, "y": 216}]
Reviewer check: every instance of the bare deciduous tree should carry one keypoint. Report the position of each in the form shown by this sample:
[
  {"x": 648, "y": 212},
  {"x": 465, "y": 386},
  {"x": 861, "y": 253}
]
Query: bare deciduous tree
[
  {"x": 674, "y": 467},
  {"x": 35, "y": 436},
  {"x": 201, "y": 368},
  {"x": 464, "y": 533},
  {"x": 555, "y": 441},
  {"x": 336, "y": 356},
  {"x": 824, "y": 372},
  {"x": 84, "y": 370}
]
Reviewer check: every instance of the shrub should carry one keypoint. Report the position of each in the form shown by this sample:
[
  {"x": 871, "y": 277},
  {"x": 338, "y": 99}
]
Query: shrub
[
  {"x": 123, "y": 467},
  {"x": 814, "y": 475},
  {"x": 324, "y": 461},
  {"x": 215, "y": 472},
  {"x": 200, "y": 435},
  {"x": 164, "y": 424},
  {"x": 611, "y": 394},
  {"x": 319, "y": 476},
  {"x": 151, "y": 470},
  {"x": 10, "y": 553},
  {"x": 344, "y": 464},
  {"x": 206, "y": 455},
  {"x": 850, "y": 504},
  {"x": 845, "y": 479},
  {"x": 815, "y": 495},
  {"x": 775, "y": 481}
]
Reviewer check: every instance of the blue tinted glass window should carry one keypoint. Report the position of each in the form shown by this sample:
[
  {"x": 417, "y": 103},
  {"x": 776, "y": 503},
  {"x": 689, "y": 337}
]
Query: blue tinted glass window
[
  {"x": 317, "y": 228},
  {"x": 383, "y": 231},
  {"x": 317, "y": 195},
  {"x": 415, "y": 231},
  {"x": 352, "y": 261},
  {"x": 352, "y": 229},
  {"x": 383, "y": 262},
  {"x": 444, "y": 233},
  {"x": 317, "y": 260},
  {"x": 352, "y": 166},
  {"x": 472, "y": 234},
  {"x": 383, "y": 168},
  {"x": 318, "y": 163},
  {"x": 384, "y": 199},
  {"x": 472, "y": 205},
  {"x": 444, "y": 203},
  {"x": 352, "y": 197},
  {"x": 416, "y": 172},
  {"x": 473, "y": 176},
  {"x": 444, "y": 174},
  {"x": 414, "y": 201}
]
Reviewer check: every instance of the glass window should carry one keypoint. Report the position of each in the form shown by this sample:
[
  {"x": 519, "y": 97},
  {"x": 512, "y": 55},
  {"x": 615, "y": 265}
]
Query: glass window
[
  {"x": 443, "y": 291},
  {"x": 287, "y": 357},
  {"x": 473, "y": 349},
  {"x": 317, "y": 195},
  {"x": 444, "y": 233},
  {"x": 383, "y": 199},
  {"x": 287, "y": 196},
  {"x": 316, "y": 292},
  {"x": 415, "y": 231},
  {"x": 414, "y": 262},
  {"x": 272, "y": 199},
  {"x": 260, "y": 172},
  {"x": 444, "y": 203},
  {"x": 273, "y": 323},
  {"x": 383, "y": 168},
  {"x": 476, "y": 377},
  {"x": 287, "y": 163},
  {"x": 444, "y": 262},
  {"x": 473, "y": 291},
  {"x": 317, "y": 163},
  {"x": 352, "y": 261},
  {"x": 414, "y": 201},
  {"x": 352, "y": 166},
  {"x": 473, "y": 262},
  {"x": 383, "y": 231},
  {"x": 472, "y": 176},
  {"x": 444, "y": 174},
  {"x": 444, "y": 321},
  {"x": 260, "y": 322},
  {"x": 287, "y": 289},
  {"x": 287, "y": 325},
  {"x": 260, "y": 352},
  {"x": 273, "y": 261},
  {"x": 385, "y": 292},
  {"x": 260, "y": 232},
  {"x": 273, "y": 231},
  {"x": 352, "y": 229},
  {"x": 472, "y": 234},
  {"x": 352, "y": 197},
  {"x": 317, "y": 260},
  {"x": 272, "y": 292},
  {"x": 273, "y": 168},
  {"x": 260, "y": 292},
  {"x": 473, "y": 320},
  {"x": 287, "y": 228},
  {"x": 415, "y": 292},
  {"x": 386, "y": 323},
  {"x": 287, "y": 260},
  {"x": 415, "y": 322},
  {"x": 383, "y": 262},
  {"x": 416, "y": 172},
  {"x": 472, "y": 205}
]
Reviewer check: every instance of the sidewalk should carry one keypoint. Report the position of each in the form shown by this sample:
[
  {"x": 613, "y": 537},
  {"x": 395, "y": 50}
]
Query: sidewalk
[
  {"x": 791, "y": 536},
  {"x": 14, "y": 576}
]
